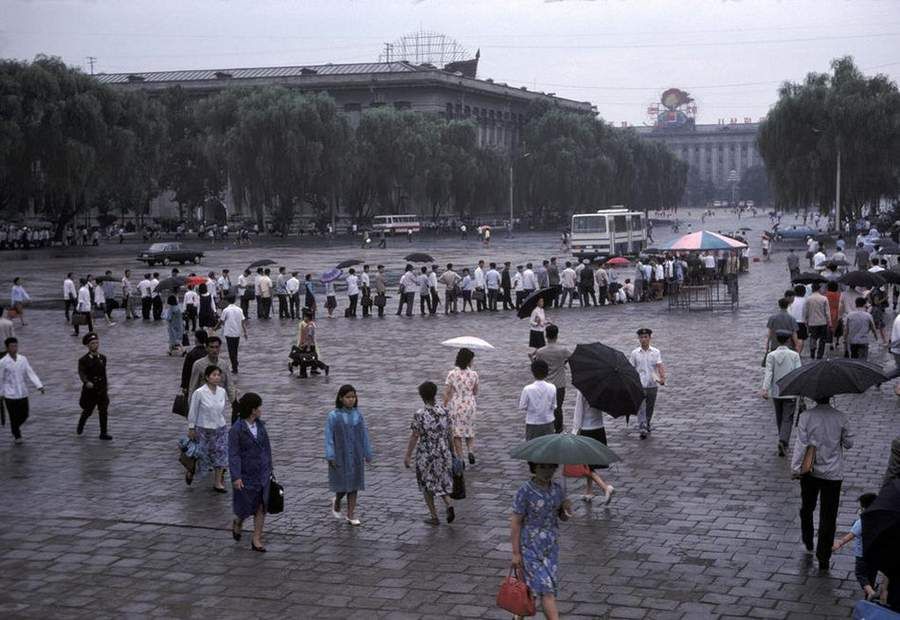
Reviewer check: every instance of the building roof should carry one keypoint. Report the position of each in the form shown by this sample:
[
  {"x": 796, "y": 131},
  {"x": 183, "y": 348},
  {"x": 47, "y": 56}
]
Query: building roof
[{"x": 698, "y": 130}]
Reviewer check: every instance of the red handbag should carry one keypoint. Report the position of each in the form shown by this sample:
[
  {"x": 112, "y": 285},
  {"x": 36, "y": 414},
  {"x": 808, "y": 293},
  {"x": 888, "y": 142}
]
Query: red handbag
[
  {"x": 576, "y": 471},
  {"x": 515, "y": 597}
]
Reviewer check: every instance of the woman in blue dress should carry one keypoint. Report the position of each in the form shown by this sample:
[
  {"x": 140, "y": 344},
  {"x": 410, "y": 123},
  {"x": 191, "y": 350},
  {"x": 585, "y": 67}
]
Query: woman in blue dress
[
  {"x": 347, "y": 450},
  {"x": 539, "y": 505},
  {"x": 250, "y": 466}
]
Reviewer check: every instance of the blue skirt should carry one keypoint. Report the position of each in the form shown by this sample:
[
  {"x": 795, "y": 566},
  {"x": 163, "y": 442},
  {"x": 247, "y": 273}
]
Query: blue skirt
[{"x": 246, "y": 501}]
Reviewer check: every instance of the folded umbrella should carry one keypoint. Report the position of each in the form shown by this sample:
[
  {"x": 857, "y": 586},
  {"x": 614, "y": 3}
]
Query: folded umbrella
[
  {"x": 105, "y": 278},
  {"x": 331, "y": 275},
  {"x": 260, "y": 263},
  {"x": 171, "y": 283},
  {"x": 606, "y": 378},
  {"x": 865, "y": 279},
  {"x": 565, "y": 449},
  {"x": 531, "y": 302},
  {"x": 825, "y": 378},
  {"x": 419, "y": 257},
  {"x": 469, "y": 342},
  {"x": 348, "y": 263},
  {"x": 808, "y": 277},
  {"x": 881, "y": 530}
]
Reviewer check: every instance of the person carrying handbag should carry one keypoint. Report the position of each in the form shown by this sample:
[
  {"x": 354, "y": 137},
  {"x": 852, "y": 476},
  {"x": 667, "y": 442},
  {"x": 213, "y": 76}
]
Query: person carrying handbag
[{"x": 251, "y": 470}]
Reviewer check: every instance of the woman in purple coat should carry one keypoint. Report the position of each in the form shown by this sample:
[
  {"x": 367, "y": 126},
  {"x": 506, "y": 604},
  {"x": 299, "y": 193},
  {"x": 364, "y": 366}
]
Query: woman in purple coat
[{"x": 250, "y": 466}]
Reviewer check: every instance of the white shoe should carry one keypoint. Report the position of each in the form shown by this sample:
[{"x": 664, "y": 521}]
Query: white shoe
[
  {"x": 609, "y": 493},
  {"x": 336, "y": 514},
  {"x": 354, "y": 522},
  {"x": 19, "y": 441}
]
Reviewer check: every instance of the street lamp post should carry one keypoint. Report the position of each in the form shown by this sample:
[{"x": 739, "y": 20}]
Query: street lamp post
[
  {"x": 512, "y": 163},
  {"x": 837, "y": 181}
]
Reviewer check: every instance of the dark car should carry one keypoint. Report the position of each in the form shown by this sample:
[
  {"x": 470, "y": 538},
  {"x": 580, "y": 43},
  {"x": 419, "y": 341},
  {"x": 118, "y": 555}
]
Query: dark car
[
  {"x": 796, "y": 232},
  {"x": 166, "y": 253}
]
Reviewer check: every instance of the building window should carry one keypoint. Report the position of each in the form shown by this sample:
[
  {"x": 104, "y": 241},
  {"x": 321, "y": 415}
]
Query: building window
[
  {"x": 449, "y": 110},
  {"x": 468, "y": 111}
]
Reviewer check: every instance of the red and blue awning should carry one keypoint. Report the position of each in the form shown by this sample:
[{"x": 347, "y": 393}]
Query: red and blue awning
[{"x": 703, "y": 240}]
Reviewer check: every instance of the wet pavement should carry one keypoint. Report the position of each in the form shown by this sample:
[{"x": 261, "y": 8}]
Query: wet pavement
[{"x": 703, "y": 524}]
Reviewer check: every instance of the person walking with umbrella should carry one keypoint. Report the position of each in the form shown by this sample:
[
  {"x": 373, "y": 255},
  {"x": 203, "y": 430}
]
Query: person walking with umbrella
[
  {"x": 780, "y": 362},
  {"x": 459, "y": 399},
  {"x": 588, "y": 421},
  {"x": 537, "y": 325},
  {"x": 648, "y": 363}
]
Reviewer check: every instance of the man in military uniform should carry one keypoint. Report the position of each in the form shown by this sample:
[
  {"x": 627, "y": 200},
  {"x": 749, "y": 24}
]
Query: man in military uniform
[{"x": 92, "y": 372}]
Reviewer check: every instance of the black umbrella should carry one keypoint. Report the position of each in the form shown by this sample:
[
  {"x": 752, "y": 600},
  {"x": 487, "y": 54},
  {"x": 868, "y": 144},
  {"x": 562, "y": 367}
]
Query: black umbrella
[
  {"x": 841, "y": 262},
  {"x": 419, "y": 257},
  {"x": 606, "y": 379},
  {"x": 825, "y": 378},
  {"x": 891, "y": 277},
  {"x": 348, "y": 263},
  {"x": 531, "y": 302},
  {"x": 866, "y": 279},
  {"x": 808, "y": 277},
  {"x": 105, "y": 278},
  {"x": 260, "y": 263},
  {"x": 881, "y": 530},
  {"x": 171, "y": 283},
  {"x": 887, "y": 246}
]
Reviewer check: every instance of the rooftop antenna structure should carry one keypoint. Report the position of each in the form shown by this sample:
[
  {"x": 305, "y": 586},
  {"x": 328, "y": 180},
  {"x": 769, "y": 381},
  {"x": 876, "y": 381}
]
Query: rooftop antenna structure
[{"x": 424, "y": 47}]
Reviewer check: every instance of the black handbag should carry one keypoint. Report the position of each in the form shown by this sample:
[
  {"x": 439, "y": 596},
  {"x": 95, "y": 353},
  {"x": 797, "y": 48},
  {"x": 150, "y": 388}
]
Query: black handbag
[
  {"x": 179, "y": 406},
  {"x": 459, "y": 487},
  {"x": 276, "y": 497}
]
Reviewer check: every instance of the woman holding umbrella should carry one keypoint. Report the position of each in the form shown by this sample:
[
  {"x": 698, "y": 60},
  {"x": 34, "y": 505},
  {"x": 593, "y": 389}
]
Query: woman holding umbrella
[
  {"x": 459, "y": 399},
  {"x": 538, "y": 324},
  {"x": 588, "y": 421}
]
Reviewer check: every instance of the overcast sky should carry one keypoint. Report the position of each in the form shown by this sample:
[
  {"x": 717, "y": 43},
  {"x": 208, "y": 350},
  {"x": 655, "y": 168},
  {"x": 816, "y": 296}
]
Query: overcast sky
[{"x": 618, "y": 54}]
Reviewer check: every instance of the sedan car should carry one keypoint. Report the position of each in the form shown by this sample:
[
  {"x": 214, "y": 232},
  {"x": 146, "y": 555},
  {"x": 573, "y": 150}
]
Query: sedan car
[
  {"x": 166, "y": 253},
  {"x": 796, "y": 232}
]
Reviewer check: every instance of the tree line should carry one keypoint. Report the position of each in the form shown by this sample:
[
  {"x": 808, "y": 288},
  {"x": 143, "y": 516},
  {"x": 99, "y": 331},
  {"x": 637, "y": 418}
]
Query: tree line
[
  {"x": 69, "y": 145},
  {"x": 814, "y": 121}
]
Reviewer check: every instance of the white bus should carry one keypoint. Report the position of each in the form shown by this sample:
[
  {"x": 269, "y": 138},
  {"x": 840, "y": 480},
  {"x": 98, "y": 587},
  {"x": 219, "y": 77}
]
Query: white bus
[
  {"x": 396, "y": 224},
  {"x": 608, "y": 232}
]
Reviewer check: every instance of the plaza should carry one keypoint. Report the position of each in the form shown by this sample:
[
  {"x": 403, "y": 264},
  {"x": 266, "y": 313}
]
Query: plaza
[{"x": 703, "y": 524}]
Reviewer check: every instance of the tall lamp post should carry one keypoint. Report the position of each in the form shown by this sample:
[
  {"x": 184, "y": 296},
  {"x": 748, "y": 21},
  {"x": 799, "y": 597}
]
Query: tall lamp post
[
  {"x": 512, "y": 163},
  {"x": 837, "y": 181}
]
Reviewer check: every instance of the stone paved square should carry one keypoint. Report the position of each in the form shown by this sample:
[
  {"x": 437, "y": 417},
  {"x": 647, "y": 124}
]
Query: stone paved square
[{"x": 703, "y": 524}]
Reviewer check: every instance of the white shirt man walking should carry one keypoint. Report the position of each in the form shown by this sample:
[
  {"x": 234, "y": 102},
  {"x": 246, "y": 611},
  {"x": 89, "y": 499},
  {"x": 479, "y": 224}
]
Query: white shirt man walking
[
  {"x": 648, "y": 363},
  {"x": 14, "y": 368},
  {"x": 233, "y": 324}
]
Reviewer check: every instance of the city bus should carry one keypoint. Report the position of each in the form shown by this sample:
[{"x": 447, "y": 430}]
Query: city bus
[
  {"x": 396, "y": 224},
  {"x": 608, "y": 232}
]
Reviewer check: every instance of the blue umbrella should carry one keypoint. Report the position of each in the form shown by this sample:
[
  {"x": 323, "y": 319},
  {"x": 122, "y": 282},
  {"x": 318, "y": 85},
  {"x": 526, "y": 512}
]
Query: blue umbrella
[{"x": 331, "y": 275}]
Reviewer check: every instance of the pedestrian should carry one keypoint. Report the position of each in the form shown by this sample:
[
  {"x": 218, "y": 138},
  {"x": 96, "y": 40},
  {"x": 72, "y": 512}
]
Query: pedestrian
[
  {"x": 537, "y": 402},
  {"x": 506, "y": 286},
  {"x": 601, "y": 280},
  {"x": 529, "y": 280},
  {"x": 648, "y": 363},
  {"x": 517, "y": 286},
  {"x": 70, "y": 295},
  {"x": 109, "y": 293},
  {"x": 172, "y": 315},
  {"x": 155, "y": 299},
  {"x": 281, "y": 292},
  {"x": 865, "y": 576},
  {"x": 538, "y": 507},
  {"x": 824, "y": 433},
  {"x": 198, "y": 370},
  {"x": 556, "y": 356},
  {"x": 233, "y": 324},
  {"x": 250, "y": 467},
  {"x": 793, "y": 264},
  {"x": 492, "y": 284},
  {"x": 6, "y": 331},
  {"x": 145, "y": 288},
  {"x": 18, "y": 298},
  {"x": 467, "y": 287},
  {"x": 588, "y": 421},
  {"x": 352, "y": 292},
  {"x": 877, "y": 304},
  {"x": 779, "y": 363},
  {"x": 435, "y": 298},
  {"x": 13, "y": 370},
  {"x": 365, "y": 289},
  {"x": 798, "y": 311},
  {"x": 817, "y": 316},
  {"x": 834, "y": 308},
  {"x": 330, "y": 299},
  {"x": 245, "y": 292},
  {"x": 586, "y": 284},
  {"x": 129, "y": 296},
  {"x": 857, "y": 327},
  {"x": 380, "y": 299},
  {"x": 264, "y": 303},
  {"x": 424, "y": 287},
  {"x": 308, "y": 348},
  {"x": 407, "y": 290},
  {"x": 460, "y": 396},
  {"x": 347, "y": 450},
  {"x": 83, "y": 309},
  {"x": 450, "y": 279},
  {"x": 198, "y": 352},
  {"x": 431, "y": 436},
  {"x": 207, "y": 316},
  {"x": 207, "y": 426},
  {"x": 99, "y": 295},
  {"x": 223, "y": 283},
  {"x": 309, "y": 293},
  {"x": 479, "y": 294},
  {"x": 553, "y": 279},
  {"x": 94, "y": 386},
  {"x": 191, "y": 308},
  {"x": 567, "y": 278},
  {"x": 537, "y": 325}
]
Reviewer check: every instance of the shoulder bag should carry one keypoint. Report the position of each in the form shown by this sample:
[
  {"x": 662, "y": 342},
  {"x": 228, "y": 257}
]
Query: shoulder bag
[
  {"x": 179, "y": 406},
  {"x": 514, "y": 596}
]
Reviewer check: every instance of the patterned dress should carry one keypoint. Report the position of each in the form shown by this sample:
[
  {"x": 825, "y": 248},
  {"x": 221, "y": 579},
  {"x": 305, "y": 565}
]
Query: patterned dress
[
  {"x": 462, "y": 402},
  {"x": 434, "y": 457},
  {"x": 539, "y": 539}
]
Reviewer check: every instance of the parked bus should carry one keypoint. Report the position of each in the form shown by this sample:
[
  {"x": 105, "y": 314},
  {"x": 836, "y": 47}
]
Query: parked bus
[
  {"x": 608, "y": 232},
  {"x": 396, "y": 224}
]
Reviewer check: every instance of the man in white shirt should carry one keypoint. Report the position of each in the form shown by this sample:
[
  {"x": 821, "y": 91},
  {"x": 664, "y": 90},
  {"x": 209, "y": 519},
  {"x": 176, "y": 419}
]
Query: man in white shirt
[
  {"x": 83, "y": 305},
  {"x": 538, "y": 401},
  {"x": 191, "y": 308},
  {"x": 517, "y": 286},
  {"x": 233, "y": 324},
  {"x": 797, "y": 309},
  {"x": 567, "y": 277},
  {"x": 435, "y": 296},
  {"x": 155, "y": 299},
  {"x": 601, "y": 280},
  {"x": 70, "y": 295},
  {"x": 14, "y": 368},
  {"x": 146, "y": 289},
  {"x": 352, "y": 292},
  {"x": 492, "y": 283},
  {"x": 819, "y": 259},
  {"x": 529, "y": 280},
  {"x": 264, "y": 284},
  {"x": 212, "y": 285},
  {"x": 648, "y": 363},
  {"x": 408, "y": 286},
  {"x": 128, "y": 296},
  {"x": 282, "y": 294},
  {"x": 224, "y": 282},
  {"x": 480, "y": 295},
  {"x": 468, "y": 287},
  {"x": 292, "y": 290}
]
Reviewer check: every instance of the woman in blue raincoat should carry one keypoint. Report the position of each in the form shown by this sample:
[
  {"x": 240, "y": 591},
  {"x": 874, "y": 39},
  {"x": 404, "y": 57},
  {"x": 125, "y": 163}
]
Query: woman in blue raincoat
[{"x": 347, "y": 450}]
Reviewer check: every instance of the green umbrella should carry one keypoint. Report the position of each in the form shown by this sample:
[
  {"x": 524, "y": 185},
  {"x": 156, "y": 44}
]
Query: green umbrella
[{"x": 565, "y": 449}]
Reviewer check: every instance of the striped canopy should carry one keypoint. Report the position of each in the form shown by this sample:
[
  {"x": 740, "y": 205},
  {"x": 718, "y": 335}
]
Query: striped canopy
[{"x": 704, "y": 240}]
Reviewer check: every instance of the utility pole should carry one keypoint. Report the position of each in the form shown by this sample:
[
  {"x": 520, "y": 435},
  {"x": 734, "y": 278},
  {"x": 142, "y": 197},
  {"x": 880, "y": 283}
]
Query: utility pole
[
  {"x": 91, "y": 60},
  {"x": 837, "y": 191}
]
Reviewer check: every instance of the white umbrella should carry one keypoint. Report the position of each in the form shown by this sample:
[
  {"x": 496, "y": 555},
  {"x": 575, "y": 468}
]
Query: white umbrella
[{"x": 469, "y": 342}]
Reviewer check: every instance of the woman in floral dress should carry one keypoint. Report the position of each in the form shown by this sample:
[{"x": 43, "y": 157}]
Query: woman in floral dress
[
  {"x": 432, "y": 438},
  {"x": 539, "y": 505},
  {"x": 459, "y": 399}
]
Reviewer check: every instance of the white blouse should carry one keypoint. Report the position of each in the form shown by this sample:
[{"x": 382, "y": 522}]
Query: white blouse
[
  {"x": 538, "y": 322},
  {"x": 586, "y": 417},
  {"x": 207, "y": 408}
]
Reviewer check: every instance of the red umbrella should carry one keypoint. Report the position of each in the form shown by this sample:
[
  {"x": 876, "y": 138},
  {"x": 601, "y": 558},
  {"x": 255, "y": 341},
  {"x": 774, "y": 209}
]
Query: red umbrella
[
  {"x": 618, "y": 261},
  {"x": 195, "y": 280}
]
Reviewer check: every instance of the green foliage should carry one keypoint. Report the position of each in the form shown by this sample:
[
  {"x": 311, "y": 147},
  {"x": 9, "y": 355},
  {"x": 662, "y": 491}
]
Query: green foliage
[{"x": 844, "y": 112}]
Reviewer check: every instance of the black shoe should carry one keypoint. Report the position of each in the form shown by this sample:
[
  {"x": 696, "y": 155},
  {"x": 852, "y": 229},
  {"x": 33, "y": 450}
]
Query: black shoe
[
  {"x": 471, "y": 459},
  {"x": 327, "y": 369},
  {"x": 780, "y": 449},
  {"x": 81, "y": 422},
  {"x": 255, "y": 548},
  {"x": 236, "y": 529},
  {"x": 451, "y": 514},
  {"x": 105, "y": 437},
  {"x": 220, "y": 490}
]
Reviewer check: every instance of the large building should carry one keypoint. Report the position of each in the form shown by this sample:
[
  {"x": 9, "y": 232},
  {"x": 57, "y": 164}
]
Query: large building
[{"x": 712, "y": 152}]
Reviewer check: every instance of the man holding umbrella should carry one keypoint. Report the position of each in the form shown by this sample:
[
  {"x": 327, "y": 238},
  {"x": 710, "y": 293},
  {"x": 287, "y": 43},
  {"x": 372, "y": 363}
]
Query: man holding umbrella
[{"x": 648, "y": 363}]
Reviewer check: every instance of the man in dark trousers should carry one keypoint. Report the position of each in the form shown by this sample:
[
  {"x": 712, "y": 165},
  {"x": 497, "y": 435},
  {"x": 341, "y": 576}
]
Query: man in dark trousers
[
  {"x": 92, "y": 372},
  {"x": 506, "y": 285},
  {"x": 192, "y": 356}
]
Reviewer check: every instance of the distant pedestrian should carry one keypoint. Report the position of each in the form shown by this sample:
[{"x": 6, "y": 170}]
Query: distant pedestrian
[
  {"x": 779, "y": 363},
  {"x": 330, "y": 299},
  {"x": 172, "y": 315},
  {"x": 347, "y": 450},
  {"x": 94, "y": 386},
  {"x": 70, "y": 295},
  {"x": 83, "y": 314},
  {"x": 557, "y": 356},
  {"x": 18, "y": 298},
  {"x": 14, "y": 368},
  {"x": 648, "y": 363},
  {"x": 309, "y": 293},
  {"x": 250, "y": 468},
  {"x": 207, "y": 315},
  {"x": 857, "y": 327},
  {"x": 233, "y": 324}
]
